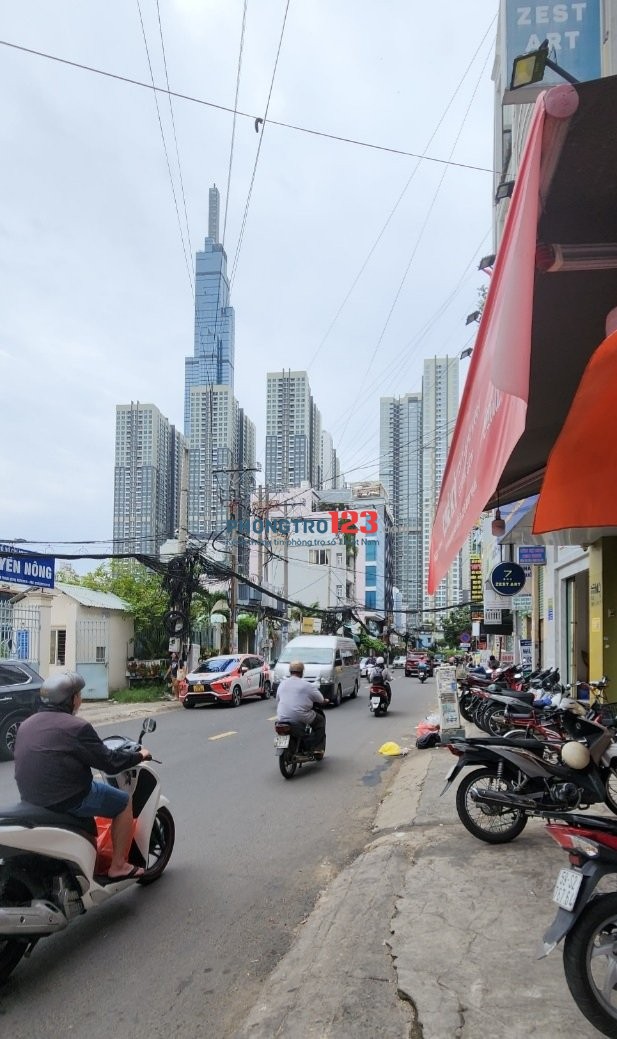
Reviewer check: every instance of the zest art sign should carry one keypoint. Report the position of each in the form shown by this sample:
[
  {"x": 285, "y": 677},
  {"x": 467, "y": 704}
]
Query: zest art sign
[{"x": 349, "y": 521}]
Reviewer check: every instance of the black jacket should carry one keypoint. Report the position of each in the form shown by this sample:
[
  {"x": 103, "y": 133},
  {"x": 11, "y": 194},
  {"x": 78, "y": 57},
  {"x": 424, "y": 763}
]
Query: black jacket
[{"x": 54, "y": 754}]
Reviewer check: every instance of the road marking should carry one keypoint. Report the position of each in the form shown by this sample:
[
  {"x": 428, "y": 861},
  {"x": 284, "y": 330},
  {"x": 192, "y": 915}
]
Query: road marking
[
  {"x": 222, "y": 735},
  {"x": 272, "y": 718}
]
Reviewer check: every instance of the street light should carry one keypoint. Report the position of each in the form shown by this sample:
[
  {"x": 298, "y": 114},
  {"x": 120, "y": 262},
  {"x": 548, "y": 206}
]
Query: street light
[
  {"x": 529, "y": 68},
  {"x": 504, "y": 190}
]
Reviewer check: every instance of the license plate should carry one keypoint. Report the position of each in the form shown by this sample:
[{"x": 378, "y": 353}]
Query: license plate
[
  {"x": 375, "y": 700},
  {"x": 451, "y": 772},
  {"x": 198, "y": 688},
  {"x": 567, "y": 888},
  {"x": 281, "y": 742}
]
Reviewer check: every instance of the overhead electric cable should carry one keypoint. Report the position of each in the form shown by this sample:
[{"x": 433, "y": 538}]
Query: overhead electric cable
[
  {"x": 261, "y": 137},
  {"x": 171, "y": 179},
  {"x": 245, "y": 115},
  {"x": 173, "y": 124},
  {"x": 401, "y": 196},
  {"x": 233, "y": 125},
  {"x": 418, "y": 241}
]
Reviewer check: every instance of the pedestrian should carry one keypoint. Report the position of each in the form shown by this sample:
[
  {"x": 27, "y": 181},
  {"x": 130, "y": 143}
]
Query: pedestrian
[{"x": 172, "y": 675}]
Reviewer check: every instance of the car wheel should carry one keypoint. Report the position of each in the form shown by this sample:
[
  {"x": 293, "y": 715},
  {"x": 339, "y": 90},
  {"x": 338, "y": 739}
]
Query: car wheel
[
  {"x": 8, "y": 732},
  {"x": 267, "y": 691},
  {"x": 236, "y": 696},
  {"x": 338, "y": 697},
  {"x": 355, "y": 691},
  {"x": 188, "y": 704}
]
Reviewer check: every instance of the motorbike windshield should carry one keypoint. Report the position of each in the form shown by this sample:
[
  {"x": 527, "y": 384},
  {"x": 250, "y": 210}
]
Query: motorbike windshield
[{"x": 307, "y": 655}]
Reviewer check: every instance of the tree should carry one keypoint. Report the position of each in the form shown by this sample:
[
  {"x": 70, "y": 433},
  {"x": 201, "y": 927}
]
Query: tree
[{"x": 454, "y": 624}]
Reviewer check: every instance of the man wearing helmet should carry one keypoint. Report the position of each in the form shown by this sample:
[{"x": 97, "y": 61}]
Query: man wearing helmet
[
  {"x": 54, "y": 754},
  {"x": 295, "y": 702},
  {"x": 381, "y": 676}
]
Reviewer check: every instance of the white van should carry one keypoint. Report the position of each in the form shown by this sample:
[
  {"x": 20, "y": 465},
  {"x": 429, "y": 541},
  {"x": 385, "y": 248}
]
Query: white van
[{"x": 329, "y": 661}]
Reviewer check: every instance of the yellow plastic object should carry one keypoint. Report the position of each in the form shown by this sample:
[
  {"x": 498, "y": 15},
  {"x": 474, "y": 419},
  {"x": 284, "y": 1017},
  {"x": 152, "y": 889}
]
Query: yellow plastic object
[{"x": 390, "y": 750}]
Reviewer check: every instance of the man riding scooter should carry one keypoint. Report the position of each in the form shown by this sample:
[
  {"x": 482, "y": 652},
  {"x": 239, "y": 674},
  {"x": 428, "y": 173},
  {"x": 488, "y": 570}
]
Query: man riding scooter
[{"x": 381, "y": 676}]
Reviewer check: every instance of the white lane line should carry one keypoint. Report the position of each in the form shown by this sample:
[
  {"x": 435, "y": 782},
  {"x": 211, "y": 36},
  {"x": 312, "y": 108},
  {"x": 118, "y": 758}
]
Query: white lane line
[
  {"x": 222, "y": 735},
  {"x": 272, "y": 718}
]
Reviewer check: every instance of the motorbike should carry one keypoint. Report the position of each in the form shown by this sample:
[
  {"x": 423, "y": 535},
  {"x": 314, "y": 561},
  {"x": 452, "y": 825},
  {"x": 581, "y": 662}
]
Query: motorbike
[
  {"x": 521, "y": 778},
  {"x": 53, "y": 865},
  {"x": 378, "y": 699},
  {"x": 587, "y": 920},
  {"x": 423, "y": 672},
  {"x": 296, "y": 743}
]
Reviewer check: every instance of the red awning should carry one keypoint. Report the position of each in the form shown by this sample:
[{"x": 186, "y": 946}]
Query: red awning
[
  {"x": 492, "y": 414},
  {"x": 539, "y": 330}
]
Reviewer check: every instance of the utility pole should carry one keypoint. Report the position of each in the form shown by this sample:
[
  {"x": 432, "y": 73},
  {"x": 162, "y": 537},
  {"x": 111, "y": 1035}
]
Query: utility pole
[{"x": 235, "y": 501}]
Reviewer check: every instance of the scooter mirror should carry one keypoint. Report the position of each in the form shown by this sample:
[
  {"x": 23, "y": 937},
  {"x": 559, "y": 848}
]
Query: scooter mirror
[{"x": 149, "y": 725}]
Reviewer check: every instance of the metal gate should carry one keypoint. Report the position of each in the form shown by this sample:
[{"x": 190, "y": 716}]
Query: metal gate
[
  {"x": 91, "y": 657},
  {"x": 20, "y": 628}
]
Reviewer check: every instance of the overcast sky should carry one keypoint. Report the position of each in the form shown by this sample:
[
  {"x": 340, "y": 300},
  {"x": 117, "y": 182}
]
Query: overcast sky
[{"x": 96, "y": 304}]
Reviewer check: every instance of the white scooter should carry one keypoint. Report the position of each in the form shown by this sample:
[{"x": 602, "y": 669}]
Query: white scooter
[{"x": 53, "y": 865}]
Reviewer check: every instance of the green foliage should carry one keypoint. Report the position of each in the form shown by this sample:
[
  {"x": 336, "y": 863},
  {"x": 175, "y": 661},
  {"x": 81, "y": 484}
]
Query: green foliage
[
  {"x": 370, "y": 645},
  {"x": 454, "y": 624},
  {"x": 141, "y": 694},
  {"x": 246, "y": 622}
]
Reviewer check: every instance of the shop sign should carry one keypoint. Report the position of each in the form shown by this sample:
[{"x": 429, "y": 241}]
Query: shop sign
[
  {"x": 475, "y": 567},
  {"x": 522, "y": 603},
  {"x": 524, "y": 646},
  {"x": 508, "y": 578},
  {"x": 549, "y": 609},
  {"x": 492, "y": 616}
]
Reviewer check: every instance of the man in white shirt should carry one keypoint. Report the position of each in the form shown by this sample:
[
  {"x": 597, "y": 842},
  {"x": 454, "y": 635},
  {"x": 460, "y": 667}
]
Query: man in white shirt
[{"x": 295, "y": 699}]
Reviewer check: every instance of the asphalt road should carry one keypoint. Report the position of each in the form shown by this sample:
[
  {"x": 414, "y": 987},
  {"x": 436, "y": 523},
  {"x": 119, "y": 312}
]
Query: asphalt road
[{"x": 186, "y": 956}]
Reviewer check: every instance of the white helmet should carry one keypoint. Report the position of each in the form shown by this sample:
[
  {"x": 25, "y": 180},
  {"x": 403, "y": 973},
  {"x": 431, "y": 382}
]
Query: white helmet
[
  {"x": 379, "y": 660},
  {"x": 575, "y": 755}
]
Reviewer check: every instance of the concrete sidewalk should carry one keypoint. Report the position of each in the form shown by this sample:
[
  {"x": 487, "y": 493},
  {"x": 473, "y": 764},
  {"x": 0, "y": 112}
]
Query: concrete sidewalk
[
  {"x": 106, "y": 712},
  {"x": 429, "y": 933}
]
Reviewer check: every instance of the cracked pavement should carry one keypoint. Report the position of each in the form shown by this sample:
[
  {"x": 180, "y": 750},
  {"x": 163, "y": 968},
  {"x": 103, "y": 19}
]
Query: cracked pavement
[{"x": 428, "y": 934}]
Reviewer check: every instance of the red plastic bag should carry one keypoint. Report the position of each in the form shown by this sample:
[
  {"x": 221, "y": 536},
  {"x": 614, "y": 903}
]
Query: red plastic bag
[{"x": 425, "y": 727}]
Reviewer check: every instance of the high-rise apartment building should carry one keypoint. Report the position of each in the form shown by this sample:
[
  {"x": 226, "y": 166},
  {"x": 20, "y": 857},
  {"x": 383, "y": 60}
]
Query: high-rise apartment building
[
  {"x": 148, "y": 460},
  {"x": 293, "y": 432},
  {"x": 440, "y": 393},
  {"x": 330, "y": 467},
  {"x": 400, "y": 472}
]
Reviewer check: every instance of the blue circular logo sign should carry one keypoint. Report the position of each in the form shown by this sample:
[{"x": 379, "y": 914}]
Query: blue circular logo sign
[{"x": 508, "y": 578}]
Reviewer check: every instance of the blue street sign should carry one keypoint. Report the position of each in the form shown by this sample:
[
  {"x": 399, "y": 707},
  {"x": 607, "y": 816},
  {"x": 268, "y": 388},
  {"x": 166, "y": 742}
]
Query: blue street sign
[
  {"x": 532, "y": 554},
  {"x": 19, "y": 567},
  {"x": 508, "y": 578}
]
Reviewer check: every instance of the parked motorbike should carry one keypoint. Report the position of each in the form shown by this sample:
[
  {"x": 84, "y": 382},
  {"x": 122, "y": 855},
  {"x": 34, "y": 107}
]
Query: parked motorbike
[
  {"x": 378, "y": 699},
  {"x": 520, "y": 778},
  {"x": 587, "y": 920},
  {"x": 53, "y": 865},
  {"x": 295, "y": 744}
]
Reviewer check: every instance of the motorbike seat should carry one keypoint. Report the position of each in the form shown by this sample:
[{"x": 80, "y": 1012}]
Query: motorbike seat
[
  {"x": 496, "y": 741},
  {"x": 24, "y": 814}
]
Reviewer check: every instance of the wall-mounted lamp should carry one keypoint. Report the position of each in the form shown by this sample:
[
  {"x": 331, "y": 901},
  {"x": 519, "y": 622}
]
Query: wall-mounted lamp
[
  {"x": 529, "y": 68},
  {"x": 498, "y": 526},
  {"x": 466, "y": 353},
  {"x": 504, "y": 190},
  {"x": 486, "y": 262},
  {"x": 601, "y": 256},
  {"x": 472, "y": 317}
]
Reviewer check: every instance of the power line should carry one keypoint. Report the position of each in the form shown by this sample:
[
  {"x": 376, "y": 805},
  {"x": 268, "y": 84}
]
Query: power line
[
  {"x": 233, "y": 125},
  {"x": 246, "y": 115},
  {"x": 261, "y": 137},
  {"x": 171, "y": 179},
  {"x": 401, "y": 196},
  {"x": 173, "y": 124}
]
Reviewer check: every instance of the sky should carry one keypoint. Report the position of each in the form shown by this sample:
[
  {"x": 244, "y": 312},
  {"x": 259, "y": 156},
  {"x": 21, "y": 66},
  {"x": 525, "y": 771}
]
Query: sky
[{"x": 333, "y": 274}]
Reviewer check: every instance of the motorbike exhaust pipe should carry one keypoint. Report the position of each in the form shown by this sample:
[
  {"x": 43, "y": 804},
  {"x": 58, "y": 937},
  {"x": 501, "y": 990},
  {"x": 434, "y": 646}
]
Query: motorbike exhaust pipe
[
  {"x": 497, "y": 797},
  {"x": 37, "y": 918}
]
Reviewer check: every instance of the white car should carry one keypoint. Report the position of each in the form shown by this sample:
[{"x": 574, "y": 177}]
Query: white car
[{"x": 398, "y": 662}]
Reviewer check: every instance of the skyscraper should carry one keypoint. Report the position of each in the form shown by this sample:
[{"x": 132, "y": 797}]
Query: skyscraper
[
  {"x": 212, "y": 362},
  {"x": 293, "y": 432},
  {"x": 400, "y": 472},
  {"x": 148, "y": 461},
  {"x": 220, "y": 437},
  {"x": 439, "y": 411}
]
